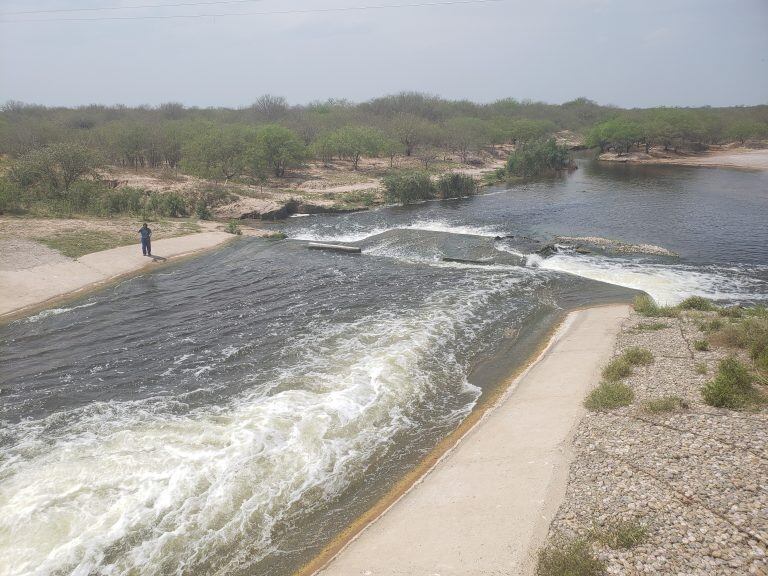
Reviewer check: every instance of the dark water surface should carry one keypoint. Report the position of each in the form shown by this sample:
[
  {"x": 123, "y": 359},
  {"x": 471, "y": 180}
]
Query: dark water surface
[{"x": 229, "y": 414}]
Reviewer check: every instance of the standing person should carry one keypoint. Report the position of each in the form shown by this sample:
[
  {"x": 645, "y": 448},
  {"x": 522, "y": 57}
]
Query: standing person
[{"x": 146, "y": 240}]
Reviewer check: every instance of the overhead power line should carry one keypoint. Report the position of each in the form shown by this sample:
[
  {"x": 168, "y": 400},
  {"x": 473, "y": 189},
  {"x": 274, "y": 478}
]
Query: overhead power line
[
  {"x": 265, "y": 13},
  {"x": 134, "y": 7}
]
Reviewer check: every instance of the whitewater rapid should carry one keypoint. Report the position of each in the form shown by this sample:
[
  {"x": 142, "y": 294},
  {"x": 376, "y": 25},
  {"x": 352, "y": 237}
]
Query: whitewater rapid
[{"x": 148, "y": 487}]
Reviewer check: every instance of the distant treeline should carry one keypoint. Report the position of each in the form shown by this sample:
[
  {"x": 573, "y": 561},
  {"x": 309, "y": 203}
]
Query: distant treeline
[
  {"x": 271, "y": 136},
  {"x": 46, "y": 153}
]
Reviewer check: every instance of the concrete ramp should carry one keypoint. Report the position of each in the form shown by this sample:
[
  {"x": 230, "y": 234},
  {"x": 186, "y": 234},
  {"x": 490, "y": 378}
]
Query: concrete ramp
[{"x": 485, "y": 508}]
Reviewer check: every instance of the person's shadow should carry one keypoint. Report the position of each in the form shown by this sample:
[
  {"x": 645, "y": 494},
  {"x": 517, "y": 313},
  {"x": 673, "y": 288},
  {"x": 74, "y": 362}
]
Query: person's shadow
[{"x": 157, "y": 258}]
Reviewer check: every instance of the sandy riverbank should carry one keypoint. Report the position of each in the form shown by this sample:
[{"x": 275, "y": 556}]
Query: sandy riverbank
[
  {"x": 728, "y": 158},
  {"x": 23, "y": 289},
  {"x": 486, "y": 504}
]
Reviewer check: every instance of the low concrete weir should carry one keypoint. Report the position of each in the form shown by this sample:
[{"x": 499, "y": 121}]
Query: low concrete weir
[{"x": 334, "y": 248}]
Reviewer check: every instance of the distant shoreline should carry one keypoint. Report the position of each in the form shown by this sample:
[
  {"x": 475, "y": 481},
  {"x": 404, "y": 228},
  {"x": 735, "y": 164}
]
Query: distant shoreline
[{"x": 743, "y": 158}]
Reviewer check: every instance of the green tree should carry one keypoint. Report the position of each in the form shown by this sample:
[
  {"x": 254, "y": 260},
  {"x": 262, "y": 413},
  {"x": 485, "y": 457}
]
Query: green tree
[
  {"x": 280, "y": 148},
  {"x": 54, "y": 167},
  {"x": 352, "y": 142},
  {"x": 465, "y": 135},
  {"x": 218, "y": 152}
]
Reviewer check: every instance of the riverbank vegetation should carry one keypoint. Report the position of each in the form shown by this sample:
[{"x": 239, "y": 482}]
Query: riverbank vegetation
[
  {"x": 629, "y": 501},
  {"x": 83, "y": 160},
  {"x": 407, "y": 187}
]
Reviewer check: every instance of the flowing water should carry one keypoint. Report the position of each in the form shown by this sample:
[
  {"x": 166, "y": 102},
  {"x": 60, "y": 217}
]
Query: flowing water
[{"x": 230, "y": 414}]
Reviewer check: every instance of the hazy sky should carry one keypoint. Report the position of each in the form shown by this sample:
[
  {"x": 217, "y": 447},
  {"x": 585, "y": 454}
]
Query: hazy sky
[{"x": 628, "y": 53}]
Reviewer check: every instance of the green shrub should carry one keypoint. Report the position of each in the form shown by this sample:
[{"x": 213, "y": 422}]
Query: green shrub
[
  {"x": 233, "y": 227},
  {"x": 732, "y": 387},
  {"x": 701, "y": 368},
  {"x": 731, "y": 312},
  {"x": 645, "y": 306},
  {"x": 168, "y": 204},
  {"x": 617, "y": 369},
  {"x": 711, "y": 325},
  {"x": 701, "y": 345},
  {"x": 697, "y": 303},
  {"x": 574, "y": 558},
  {"x": 407, "y": 187},
  {"x": 202, "y": 211},
  {"x": 665, "y": 404},
  {"x": 609, "y": 395},
  {"x": 456, "y": 186},
  {"x": 538, "y": 159},
  {"x": 624, "y": 534},
  {"x": 638, "y": 356}
]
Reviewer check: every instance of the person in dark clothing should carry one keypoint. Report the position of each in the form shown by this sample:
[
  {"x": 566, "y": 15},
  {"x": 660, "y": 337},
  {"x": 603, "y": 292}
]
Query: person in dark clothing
[{"x": 146, "y": 240}]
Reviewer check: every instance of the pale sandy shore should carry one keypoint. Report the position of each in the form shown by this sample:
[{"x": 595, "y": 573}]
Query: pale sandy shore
[
  {"x": 486, "y": 505},
  {"x": 27, "y": 289},
  {"x": 744, "y": 158}
]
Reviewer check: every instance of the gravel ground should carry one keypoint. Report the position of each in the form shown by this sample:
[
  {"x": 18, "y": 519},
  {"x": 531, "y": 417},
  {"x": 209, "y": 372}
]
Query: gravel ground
[
  {"x": 20, "y": 254},
  {"x": 696, "y": 478}
]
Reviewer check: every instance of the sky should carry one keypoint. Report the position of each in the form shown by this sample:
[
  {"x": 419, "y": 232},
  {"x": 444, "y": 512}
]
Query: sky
[{"x": 627, "y": 53}]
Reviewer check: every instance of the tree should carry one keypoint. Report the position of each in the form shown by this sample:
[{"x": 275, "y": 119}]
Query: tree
[
  {"x": 55, "y": 167},
  {"x": 270, "y": 108},
  {"x": 280, "y": 148},
  {"x": 744, "y": 129},
  {"x": 411, "y": 131},
  {"x": 217, "y": 152},
  {"x": 465, "y": 135},
  {"x": 351, "y": 142}
]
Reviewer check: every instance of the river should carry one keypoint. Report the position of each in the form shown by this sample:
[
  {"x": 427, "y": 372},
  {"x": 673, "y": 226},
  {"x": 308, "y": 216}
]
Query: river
[{"x": 230, "y": 414}]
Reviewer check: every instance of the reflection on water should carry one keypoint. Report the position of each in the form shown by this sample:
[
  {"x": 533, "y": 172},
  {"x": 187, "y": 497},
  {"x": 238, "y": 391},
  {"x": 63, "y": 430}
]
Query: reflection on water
[{"x": 231, "y": 413}]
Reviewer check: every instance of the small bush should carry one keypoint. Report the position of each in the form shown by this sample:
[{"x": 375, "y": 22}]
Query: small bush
[
  {"x": 732, "y": 387},
  {"x": 731, "y": 312},
  {"x": 697, "y": 303},
  {"x": 277, "y": 236},
  {"x": 638, "y": 356},
  {"x": 645, "y": 306},
  {"x": 168, "y": 204},
  {"x": 701, "y": 345},
  {"x": 622, "y": 534},
  {"x": 665, "y": 404},
  {"x": 538, "y": 159},
  {"x": 750, "y": 332},
  {"x": 701, "y": 368},
  {"x": 233, "y": 227},
  {"x": 652, "y": 326},
  {"x": 609, "y": 395},
  {"x": 408, "y": 187},
  {"x": 574, "y": 558},
  {"x": 202, "y": 211},
  {"x": 456, "y": 186},
  {"x": 617, "y": 369},
  {"x": 711, "y": 325}
]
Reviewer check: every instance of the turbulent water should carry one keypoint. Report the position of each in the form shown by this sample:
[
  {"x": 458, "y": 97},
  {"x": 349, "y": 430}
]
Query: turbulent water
[{"x": 228, "y": 415}]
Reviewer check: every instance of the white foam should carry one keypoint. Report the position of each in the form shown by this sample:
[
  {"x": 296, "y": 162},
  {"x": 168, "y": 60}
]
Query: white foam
[
  {"x": 358, "y": 234},
  {"x": 668, "y": 284},
  {"x": 130, "y": 488},
  {"x": 55, "y": 312}
]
